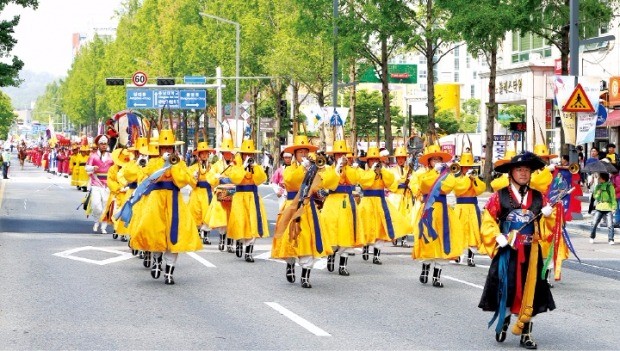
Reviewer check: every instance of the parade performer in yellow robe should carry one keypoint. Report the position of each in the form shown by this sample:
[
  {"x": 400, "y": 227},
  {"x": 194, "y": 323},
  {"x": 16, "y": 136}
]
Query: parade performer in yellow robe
[
  {"x": 219, "y": 210},
  {"x": 202, "y": 182},
  {"x": 167, "y": 226},
  {"x": 468, "y": 186},
  {"x": 119, "y": 192},
  {"x": 299, "y": 227},
  {"x": 437, "y": 231},
  {"x": 401, "y": 195},
  {"x": 379, "y": 220},
  {"x": 248, "y": 220},
  {"x": 510, "y": 229},
  {"x": 135, "y": 172},
  {"x": 80, "y": 170},
  {"x": 340, "y": 210},
  {"x": 73, "y": 164}
]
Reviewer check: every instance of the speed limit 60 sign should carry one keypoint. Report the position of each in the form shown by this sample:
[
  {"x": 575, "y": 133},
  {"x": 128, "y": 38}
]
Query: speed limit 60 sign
[{"x": 139, "y": 78}]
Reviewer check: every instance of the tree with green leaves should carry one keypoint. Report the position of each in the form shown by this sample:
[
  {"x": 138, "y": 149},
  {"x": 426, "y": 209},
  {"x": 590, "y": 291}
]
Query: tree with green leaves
[
  {"x": 433, "y": 41},
  {"x": 470, "y": 116},
  {"x": 483, "y": 25},
  {"x": 9, "y": 73},
  {"x": 7, "y": 117}
]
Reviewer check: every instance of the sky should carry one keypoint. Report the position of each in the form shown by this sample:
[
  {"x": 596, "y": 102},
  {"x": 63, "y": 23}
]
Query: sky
[{"x": 44, "y": 36}]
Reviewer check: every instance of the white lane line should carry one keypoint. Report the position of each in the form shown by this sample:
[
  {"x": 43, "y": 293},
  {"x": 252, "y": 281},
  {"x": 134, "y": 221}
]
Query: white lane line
[
  {"x": 200, "y": 259},
  {"x": 121, "y": 256},
  {"x": 297, "y": 319},
  {"x": 463, "y": 282},
  {"x": 599, "y": 267}
]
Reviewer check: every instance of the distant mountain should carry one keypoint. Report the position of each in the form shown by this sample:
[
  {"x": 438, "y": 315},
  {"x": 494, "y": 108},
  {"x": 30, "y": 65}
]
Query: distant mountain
[{"x": 33, "y": 85}]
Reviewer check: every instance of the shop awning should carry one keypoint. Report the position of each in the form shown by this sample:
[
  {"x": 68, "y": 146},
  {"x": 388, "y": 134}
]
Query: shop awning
[{"x": 613, "y": 119}]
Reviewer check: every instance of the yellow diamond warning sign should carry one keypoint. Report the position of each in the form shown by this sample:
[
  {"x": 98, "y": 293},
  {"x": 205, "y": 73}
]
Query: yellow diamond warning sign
[{"x": 578, "y": 101}]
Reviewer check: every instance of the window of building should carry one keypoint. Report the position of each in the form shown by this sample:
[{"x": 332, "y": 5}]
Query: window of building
[
  {"x": 475, "y": 75},
  {"x": 422, "y": 74},
  {"x": 456, "y": 51},
  {"x": 472, "y": 91},
  {"x": 456, "y": 63},
  {"x": 456, "y": 77},
  {"x": 423, "y": 87},
  {"x": 468, "y": 61},
  {"x": 523, "y": 45},
  {"x": 422, "y": 60}
]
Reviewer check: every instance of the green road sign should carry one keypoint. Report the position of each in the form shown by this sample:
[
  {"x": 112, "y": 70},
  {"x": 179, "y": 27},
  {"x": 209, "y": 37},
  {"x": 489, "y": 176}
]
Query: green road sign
[{"x": 397, "y": 73}]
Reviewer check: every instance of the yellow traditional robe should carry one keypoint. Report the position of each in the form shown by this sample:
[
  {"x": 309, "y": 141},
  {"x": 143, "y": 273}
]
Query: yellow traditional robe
[
  {"x": 425, "y": 247},
  {"x": 373, "y": 223},
  {"x": 306, "y": 244},
  {"x": 339, "y": 212},
  {"x": 469, "y": 215},
  {"x": 401, "y": 194},
  {"x": 199, "y": 199},
  {"x": 155, "y": 232},
  {"x": 243, "y": 222},
  {"x": 219, "y": 212}
]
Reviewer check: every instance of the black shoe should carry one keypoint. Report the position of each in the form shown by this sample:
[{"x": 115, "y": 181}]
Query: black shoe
[
  {"x": 220, "y": 246},
  {"x": 114, "y": 236},
  {"x": 305, "y": 278},
  {"x": 229, "y": 245},
  {"x": 124, "y": 238},
  {"x": 342, "y": 270},
  {"x": 290, "y": 272},
  {"x": 437, "y": 278},
  {"x": 134, "y": 252},
  {"x": 330, "y": 262},
  {"x": 426, "y": 267},
  {"x": 205, "y": 239},
  {"x": 501, "y": 336},
  {"x": 147, "y": 259},
  {"x": 141, "y": 254},
  {"x": 239, "y": 249},
  {"x": 457, "y": 260},
  {"x": 168, "y": 280},
  {"x": 526, "y": 337},
  {"x": 365, "y": 253},
  {"x": 248, "y": 253},
  {"x": 375, "y": 259},
  {"x": 470, "y": 258},
  {"x": 156, "y": 269}
]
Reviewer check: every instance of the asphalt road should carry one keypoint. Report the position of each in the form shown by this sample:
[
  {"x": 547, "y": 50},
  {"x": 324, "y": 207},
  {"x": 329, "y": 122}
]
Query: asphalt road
[{"x": 65, "y": 287}]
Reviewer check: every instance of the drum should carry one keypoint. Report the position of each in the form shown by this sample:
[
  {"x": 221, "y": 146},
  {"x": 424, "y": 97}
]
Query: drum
[{"x": 225, "y": 192}]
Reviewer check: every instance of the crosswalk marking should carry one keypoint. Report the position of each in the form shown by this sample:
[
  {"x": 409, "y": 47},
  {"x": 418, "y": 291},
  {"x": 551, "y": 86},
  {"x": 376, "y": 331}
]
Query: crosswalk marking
[{"x": 297, "y": 319}]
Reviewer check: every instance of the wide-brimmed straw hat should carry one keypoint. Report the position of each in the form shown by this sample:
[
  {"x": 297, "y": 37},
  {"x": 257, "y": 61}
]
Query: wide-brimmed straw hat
[
  {"x": 542, "y": 151},
  {"x": 339, "y": 147},
  {"x": 121, "y": 157},
  {"x": 300, "y": 142},
  {"x": 203, "y": 146},
  {"x": 167, "y": 138},
  {"x": 247, "y": 147},
  {"x": 431, "y": 151},
  {"x": 227, "y": 146},
  {"x": 373, "y": 152}
]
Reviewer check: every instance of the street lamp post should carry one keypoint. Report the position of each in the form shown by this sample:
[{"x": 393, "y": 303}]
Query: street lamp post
[{"x": 237, "y": 53}]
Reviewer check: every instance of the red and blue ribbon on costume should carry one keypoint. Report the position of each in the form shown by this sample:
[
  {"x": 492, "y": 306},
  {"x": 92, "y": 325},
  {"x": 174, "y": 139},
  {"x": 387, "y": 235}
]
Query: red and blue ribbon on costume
[
  {"x": 427, "y": 213},
  {"x": 388, "y": 218}
]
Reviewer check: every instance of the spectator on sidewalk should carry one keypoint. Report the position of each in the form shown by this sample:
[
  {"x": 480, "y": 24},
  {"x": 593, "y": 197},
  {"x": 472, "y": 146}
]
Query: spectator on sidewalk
[
  {"x": 615, "y": 180},
  {"x": 6, "y": 162},
  {"x": 605, "y": 197},
  {"x": 612, "y": 155}
]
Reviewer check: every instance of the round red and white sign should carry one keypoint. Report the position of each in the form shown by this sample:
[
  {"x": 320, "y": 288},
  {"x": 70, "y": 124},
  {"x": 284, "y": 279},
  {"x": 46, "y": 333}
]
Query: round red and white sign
[{"x": 139, "y": 78}]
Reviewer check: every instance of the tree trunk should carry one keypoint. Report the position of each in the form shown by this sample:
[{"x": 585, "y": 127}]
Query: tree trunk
[
  {"x": 385, "y": 92},
  {"x": 564, "y": 51},
  {"x": 183, "y": 120},
  {"x": 491, "y": 115},
  {"x": 197, "y": 130},
  {"x": 430, "y": 73},
  {"x": 352, "y": 103},
  {"x": 295, "y": 116}
]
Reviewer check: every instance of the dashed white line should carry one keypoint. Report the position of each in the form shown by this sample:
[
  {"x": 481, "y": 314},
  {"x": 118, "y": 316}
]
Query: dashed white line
[
  {"x": 200, "y": 259},
  {"x": 297, "y": 319}
]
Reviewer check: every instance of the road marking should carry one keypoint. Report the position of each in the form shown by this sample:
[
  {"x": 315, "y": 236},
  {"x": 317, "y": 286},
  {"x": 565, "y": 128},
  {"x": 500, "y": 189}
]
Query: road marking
[
  {"x": 599, "y": 267},
  {"x": 200, "y": 259},
  {"x": 69, "y": 254},
  {"x": 463, "y": 282},
  {"x": 297, "y": 319}
]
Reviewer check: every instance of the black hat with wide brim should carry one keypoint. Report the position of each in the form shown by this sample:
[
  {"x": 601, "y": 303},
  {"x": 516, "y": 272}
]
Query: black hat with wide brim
[{"x": 527, "y": 159}]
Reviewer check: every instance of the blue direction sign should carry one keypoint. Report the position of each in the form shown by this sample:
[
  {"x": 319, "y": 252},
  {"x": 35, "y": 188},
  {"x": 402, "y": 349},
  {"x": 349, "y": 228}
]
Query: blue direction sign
[
  {"x": 193, "y": 99},
  {"x": 194, "y": 80},
  {"x": 139, "y": 98},
  {"x": 166, "y": 98}
]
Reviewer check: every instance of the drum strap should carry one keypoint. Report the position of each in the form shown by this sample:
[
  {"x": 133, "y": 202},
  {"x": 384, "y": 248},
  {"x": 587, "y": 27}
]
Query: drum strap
[
  {"x": 206, "y": 185},
  {"x": 254, "y": 190}
]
